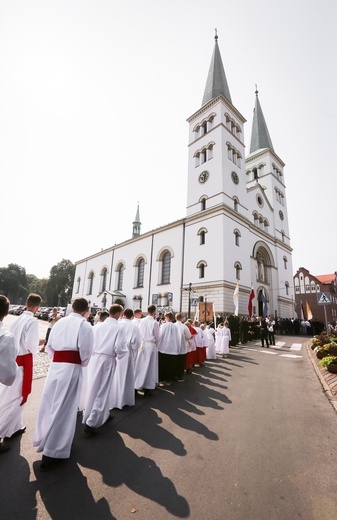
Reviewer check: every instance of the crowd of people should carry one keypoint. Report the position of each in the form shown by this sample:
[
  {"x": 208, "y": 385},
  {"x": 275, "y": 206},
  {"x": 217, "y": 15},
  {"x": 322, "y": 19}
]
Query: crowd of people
[{"x": 104, "y": 364}]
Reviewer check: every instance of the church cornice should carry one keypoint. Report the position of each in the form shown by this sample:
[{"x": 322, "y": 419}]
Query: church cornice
[
  {"x": 213, "y": 102},
  {"x": 260, "y": 153}
]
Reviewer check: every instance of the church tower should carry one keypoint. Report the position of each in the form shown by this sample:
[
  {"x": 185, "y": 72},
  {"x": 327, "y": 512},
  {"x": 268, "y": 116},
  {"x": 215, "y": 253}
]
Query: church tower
[{"x": 237, "y": 225}]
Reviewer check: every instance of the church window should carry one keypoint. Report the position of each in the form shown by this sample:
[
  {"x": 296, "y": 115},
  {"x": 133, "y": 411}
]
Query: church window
[
  {"x": 229, "y": 151},
  {"x": 256, "y": 177},
  {"x": 297, "y": 288},
  {"x": 236, "y": 203},
  {"x": 120, "y": 276},
  {"x": 78, "y": 285},
  {"x": 313, "y": 287},
  {"x": 201, "y": 267},
  {"x": 197, "y": 159},
  {"x": 266, "y": 225},
  {"x": 287, "y": 288},
  {"x": 285, "y": 262},
  {"x": 282, "y": 233},
  {"x": 237, "y": 236},
  {"x": 203, "y": 204},
  {"x": 166, "y": 268},
  {"x": 238, "y": 161},
  {"x": 104, "y": 275},
  {"x": 202, "y": 235},
  {"x": 203, "y": 156},
  {"x": 238, "y": 268},
  {"x": 210, "y": 152},
  {"x": 204, "y": 128},
  {"x": 90, "y": 282},
  {"x": 140, "y": 272}
]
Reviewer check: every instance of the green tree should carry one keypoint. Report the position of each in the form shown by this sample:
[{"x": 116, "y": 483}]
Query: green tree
[
  {"x": 60, "y": 283},
  {"x": 38, "y": 286},
  {"x": 13, "y": 283}
]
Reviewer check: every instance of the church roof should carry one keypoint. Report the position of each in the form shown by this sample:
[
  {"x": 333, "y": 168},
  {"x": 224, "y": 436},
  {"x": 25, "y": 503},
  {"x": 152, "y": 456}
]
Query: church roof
[
  {"x": 216, "y": 81},
  {"x": 260, "y": 136}
]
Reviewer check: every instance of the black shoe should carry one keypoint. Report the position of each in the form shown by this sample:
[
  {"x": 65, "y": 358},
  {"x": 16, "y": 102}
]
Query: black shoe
[
  {"x": 17, "y": 433},
  {"x": 48, "y": 463},
  {"x": 4, "y": 447},
  {"x": 91, "y": 430},
  {"x": 148, "y": 392}
]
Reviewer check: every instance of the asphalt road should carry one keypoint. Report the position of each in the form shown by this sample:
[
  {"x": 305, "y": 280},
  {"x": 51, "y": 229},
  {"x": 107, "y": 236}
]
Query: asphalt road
[{"x": 250, "y": 437}]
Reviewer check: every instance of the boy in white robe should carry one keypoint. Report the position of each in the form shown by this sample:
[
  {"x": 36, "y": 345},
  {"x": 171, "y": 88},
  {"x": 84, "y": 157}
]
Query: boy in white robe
[
  {"x": 185, "y": 336},
  {"x": 123, "y": 382},
  {"x": 169, "y": 348},
  {"x": 8, "y": 352},
  {"x": 12, "y": 398},
  {"x": 110, "y": 343},
  {"x": 146, "y": 370},
  {"x": 70, "y": 347}
]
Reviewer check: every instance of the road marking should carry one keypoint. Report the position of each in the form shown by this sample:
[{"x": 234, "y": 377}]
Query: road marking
[
  {"x": 290, "y": 355},
  {"x": 296, "y": 346}
]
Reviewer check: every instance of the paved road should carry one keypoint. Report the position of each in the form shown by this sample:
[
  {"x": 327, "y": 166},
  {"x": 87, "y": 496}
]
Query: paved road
[{"x": 250, "y": 437}]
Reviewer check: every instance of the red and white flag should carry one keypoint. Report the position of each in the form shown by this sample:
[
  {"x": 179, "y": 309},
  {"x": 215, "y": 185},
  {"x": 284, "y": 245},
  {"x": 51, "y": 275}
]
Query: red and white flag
[{"x": 250, "y": 303}]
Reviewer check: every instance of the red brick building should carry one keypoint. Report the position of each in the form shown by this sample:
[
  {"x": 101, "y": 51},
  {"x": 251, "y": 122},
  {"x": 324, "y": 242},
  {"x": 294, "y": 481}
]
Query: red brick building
[{"x": 309, "y": 290}]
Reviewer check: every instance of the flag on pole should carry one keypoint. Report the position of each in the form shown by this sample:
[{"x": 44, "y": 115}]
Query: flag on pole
[
  {"x": 302, "y": 311},
  {"x": 309, "y": 313},
  {"x": 236, "y": 300},
  {"x": 250, "y": 303},
  {"x": 265, "y": 306}
]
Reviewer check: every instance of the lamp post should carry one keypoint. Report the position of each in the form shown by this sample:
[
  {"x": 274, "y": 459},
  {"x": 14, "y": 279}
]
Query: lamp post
[{"x": 189, "y": 299}]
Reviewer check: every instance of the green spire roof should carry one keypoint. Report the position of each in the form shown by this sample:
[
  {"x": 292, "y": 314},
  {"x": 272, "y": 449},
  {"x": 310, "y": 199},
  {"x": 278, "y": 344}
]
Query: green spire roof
[
  {"x": 216, "y": 81},
  {"x": 260, "y": 136}
]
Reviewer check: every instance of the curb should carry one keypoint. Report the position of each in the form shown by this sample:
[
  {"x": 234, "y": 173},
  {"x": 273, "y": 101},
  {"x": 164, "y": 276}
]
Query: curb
[{"x": 326, "y": 387}]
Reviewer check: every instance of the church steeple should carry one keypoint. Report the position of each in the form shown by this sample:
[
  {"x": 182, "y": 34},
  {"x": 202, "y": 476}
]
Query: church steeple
[
  {"x": 136, "y": 224},
  {"x": 260, "y": 136},
  {"x": 216, "y": 81}
]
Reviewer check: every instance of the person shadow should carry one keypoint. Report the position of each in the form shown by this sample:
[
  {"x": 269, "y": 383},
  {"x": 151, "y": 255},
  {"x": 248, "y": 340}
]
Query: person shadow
[{"x": 15, "y": 475}]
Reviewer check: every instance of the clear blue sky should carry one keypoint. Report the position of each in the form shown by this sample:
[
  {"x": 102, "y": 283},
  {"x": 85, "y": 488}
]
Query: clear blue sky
[{"x": 94, "y": 97}]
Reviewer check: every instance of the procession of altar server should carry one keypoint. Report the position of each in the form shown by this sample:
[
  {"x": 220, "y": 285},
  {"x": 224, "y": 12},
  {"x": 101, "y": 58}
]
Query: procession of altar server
[{"x": 94, "y": 369}]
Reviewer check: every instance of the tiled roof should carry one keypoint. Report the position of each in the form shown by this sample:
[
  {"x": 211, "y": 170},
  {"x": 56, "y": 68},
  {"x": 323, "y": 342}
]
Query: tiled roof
[{"x": 326, "y": 278}]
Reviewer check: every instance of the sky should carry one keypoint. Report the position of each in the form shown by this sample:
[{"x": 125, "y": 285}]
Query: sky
[{"x": 94, "y": 98}]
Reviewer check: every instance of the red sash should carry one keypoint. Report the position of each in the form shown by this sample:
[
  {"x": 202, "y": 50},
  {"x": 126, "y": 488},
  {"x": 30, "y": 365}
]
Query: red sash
[
  {"x": 67, "y": 356},
  {"x": 26, "y": 361}
]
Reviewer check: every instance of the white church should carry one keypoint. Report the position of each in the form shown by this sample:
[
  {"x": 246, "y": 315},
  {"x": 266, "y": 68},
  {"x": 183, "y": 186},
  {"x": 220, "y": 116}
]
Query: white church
[{"x": 235, "y": 231}]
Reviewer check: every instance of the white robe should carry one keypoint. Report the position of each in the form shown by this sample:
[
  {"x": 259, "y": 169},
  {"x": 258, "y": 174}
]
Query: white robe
[
  {"x": 146, "y": 370},
  {"x": 185, "y": 336},
  {"x": 210, "y": 347},
  {"x": 26, "y": 332},
  {"x": 110, "y": 343},
  {"x": 223, "y": 337},
  {"x": 123, "y": 382},
  {"x": 56, "y": 422},
  {"x": 8, "y": 352}
]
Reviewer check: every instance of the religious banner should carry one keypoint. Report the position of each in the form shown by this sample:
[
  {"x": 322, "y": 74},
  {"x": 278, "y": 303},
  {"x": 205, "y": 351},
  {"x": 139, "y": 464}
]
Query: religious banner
[{"x": 205, "y": 311}]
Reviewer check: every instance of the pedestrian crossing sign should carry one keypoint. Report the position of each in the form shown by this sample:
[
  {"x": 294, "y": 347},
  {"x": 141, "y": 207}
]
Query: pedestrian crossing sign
[{"x": 323, "y": 298}]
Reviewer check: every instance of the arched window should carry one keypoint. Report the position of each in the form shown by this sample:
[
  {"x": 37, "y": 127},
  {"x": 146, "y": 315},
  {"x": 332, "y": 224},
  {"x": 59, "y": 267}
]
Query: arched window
[
  {"x": 104, "y": 275},
  {"x": 140, "y": 272},
  {"x": 237, "y": 236},
  {"x": 203, "y": 204},
  {"x": 201, "y": 267},
  {"x": 202, "y": 234},
  {"x": 236, "y": 203},
  {"x": 285, "y": 262},
  {"x": 90, "y": 282},
  {"x": 78, "y": 285},
  {"x": 238, "y": 268},
  {"x": 166, "y": 268},
  {"x": 120, "y": 277},
  {"x": 287, "y": 288}
]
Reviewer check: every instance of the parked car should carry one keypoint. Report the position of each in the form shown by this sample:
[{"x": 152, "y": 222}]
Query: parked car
[{"x": 44, "y": 315}]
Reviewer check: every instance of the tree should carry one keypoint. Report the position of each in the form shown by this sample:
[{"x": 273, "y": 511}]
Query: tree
[
  {"x": 38, "y": 286},
  {"x": 13, "y": 283},
  {"x": 60, "y": 283}
]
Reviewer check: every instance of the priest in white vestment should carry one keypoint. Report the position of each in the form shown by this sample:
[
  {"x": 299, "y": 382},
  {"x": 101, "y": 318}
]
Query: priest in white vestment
[
  {"x": 25, "y": 329},
  {"x": 70, "y": 345},
  {"x": 146, "y": 370},
  {"x": 110, "y": 343}
]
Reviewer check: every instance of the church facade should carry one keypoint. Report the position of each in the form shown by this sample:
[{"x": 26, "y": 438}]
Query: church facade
[{"x": 235, "y": 232}]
